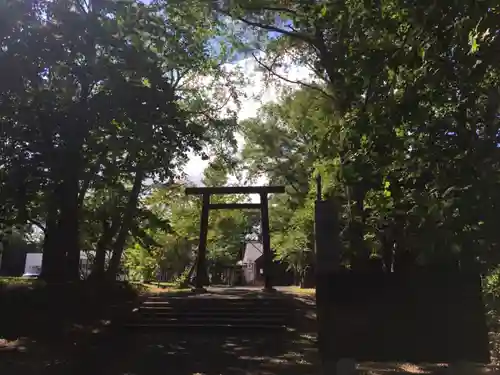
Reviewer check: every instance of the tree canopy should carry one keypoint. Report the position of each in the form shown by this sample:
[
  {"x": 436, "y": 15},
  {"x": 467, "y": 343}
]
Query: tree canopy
[
  {"x": 98, "y": 99},
  {"x": 103, "y": 103},
  {"x": 401, "y": 117}
]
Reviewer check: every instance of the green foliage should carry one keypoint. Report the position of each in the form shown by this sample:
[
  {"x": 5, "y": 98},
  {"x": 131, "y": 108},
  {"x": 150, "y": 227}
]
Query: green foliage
[
  {"x": 491, "y": 284},
  {"x": 402, "y": 122},
  {"x": 101, "y": 104},
  {"x": 20, "y": 281},
  {"x": 99, "y": 98},
  {"x": 491, "y": 292},
  {"x": 182, "y": 279},
  {"x": 227, "y": 228},
  {"x": 140, "y": 264},
  {"x": 174, "y": 250}
]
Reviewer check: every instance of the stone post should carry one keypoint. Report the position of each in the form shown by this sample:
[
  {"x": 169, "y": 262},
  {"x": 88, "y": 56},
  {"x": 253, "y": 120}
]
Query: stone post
[
  {"x": 327, "y": 236},
  {"x": 266, "y": 243},
  {"x": 201, "y": 268}
]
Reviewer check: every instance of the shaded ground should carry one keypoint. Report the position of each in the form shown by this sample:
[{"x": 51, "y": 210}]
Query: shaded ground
[
  {"x": 43, "y": 327},
  {"x": 210, "y": 352},
  {"x": 190, "y": 353},
  {"x": 119, "y": 351}
]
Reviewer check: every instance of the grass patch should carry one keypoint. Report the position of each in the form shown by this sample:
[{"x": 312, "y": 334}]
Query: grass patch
[
  {"x": 300, "y": 291},
  {"x": 159, "y": 287},
  {"x": 174, "y": 289},
  {"x": 20, "y": 281},
  {"x": 164, "y": 284}
]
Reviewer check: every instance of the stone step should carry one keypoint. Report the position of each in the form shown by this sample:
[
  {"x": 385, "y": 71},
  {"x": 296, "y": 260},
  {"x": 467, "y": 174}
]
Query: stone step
[
  {"x": 207, "y": 312},
  {"x": 187, "y": 325},
  {"x": 213, "y": 309},
  {"x": 218, "y": 297},
  {"x": 216, "y": 303},
  {"x": 211, "y": 319},
  {"x": 212, "y": 313}
]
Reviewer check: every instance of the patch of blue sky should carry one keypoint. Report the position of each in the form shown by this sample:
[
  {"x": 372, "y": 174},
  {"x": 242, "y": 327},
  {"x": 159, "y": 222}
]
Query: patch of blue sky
[
  {"x": 237, "y": 54},
  {"x": 246, "y": 36}
]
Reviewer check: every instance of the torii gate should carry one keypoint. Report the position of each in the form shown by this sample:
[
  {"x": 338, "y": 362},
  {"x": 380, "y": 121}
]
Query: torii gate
[{"x": 263, "y": 206}]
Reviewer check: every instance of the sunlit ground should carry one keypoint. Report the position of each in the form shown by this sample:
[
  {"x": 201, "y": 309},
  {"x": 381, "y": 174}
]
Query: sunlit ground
[{"x": 298, "y": 290}]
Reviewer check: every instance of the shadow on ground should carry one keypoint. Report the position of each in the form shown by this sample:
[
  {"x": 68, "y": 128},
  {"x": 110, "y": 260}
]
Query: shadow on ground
[
  {"x": 212, "y": 351},
  {"x": 209, "y": 352},
  {"x": 188, "y": 353}
]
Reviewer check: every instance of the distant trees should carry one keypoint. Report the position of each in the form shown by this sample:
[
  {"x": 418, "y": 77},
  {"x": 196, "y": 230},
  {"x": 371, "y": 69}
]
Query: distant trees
[{"x": 174, "y": 248}]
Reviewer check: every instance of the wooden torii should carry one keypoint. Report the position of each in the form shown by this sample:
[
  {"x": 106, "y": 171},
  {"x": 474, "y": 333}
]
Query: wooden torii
[{"x": 206, "y": 193}]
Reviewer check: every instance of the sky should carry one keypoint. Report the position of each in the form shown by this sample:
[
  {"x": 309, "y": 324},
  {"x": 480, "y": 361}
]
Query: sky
[{"x": 257, "y": 94}]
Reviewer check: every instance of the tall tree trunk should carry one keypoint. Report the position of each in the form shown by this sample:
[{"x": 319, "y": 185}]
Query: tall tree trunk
[
  {"x": 192, "y": 269},
  {"x": 296, "y": 276},
  {"x": 127, "y": 221},
  {"x": 68, "y": 228},
  {"x": 108, "y": 232},
  {"x": 104, "y": 244},
  {"x": 89, "y": 178},
  {"x": 70, "y": 173},
  {"x": 98, "y": 268},
  {"x": 53, "y": 255}
]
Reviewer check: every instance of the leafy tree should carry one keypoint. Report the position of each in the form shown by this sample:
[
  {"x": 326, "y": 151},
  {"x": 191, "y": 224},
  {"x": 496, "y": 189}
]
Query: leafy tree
[
  {"x": 281, "y": 144},
  {"x": 100, "y": 97},
  {"x": 411, "y": 110},
  {"x": 102, "y": 101}
]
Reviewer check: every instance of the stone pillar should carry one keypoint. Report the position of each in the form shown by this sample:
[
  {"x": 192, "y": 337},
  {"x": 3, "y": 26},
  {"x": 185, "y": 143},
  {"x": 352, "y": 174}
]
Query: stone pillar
[
  {"x": 327, "y": 237},
  {"x": 266, "y": 242},
  {"x": 201, "y": 269}
]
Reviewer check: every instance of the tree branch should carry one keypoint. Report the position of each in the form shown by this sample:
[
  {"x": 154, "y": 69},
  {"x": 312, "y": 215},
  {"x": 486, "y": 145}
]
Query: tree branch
[
  {"x": 85, "y": 9},
  {"x": 89, "y": 178},
  {"x": 324, "y": 56},
  {"x": 316, "y": 71},
  {"x": 263, "y": 26},
  {"x": 206, "y": 112},
  {"x": 37, "y": 224},
  {"x": 302, "y": 83},
  {"x": 176, "y": 80},
  {"x": 273, "y": 9}
]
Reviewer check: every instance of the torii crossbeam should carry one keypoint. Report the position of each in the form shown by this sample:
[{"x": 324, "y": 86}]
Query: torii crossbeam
[{"x": 206, "y": 193}]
